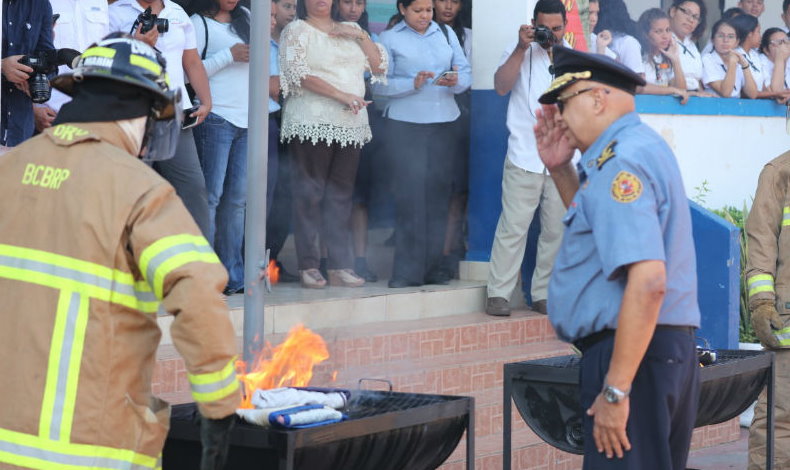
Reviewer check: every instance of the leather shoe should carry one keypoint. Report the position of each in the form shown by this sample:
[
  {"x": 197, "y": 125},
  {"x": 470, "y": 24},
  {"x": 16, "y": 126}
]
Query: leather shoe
[
  {"x": 540, "y": 307},
  {"x": 399, "y": 283},
  {"x": 438, "y": 277},
  {"x": 285, "y": 276},
  {"x": 498, "y": 307}
]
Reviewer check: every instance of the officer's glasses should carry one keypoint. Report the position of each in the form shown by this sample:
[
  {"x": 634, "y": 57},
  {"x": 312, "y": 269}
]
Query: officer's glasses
[{"x": 561, "y": 100}]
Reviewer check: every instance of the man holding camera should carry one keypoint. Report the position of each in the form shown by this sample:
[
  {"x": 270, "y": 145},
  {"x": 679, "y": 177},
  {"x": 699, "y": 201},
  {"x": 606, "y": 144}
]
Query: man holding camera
[
  {"x": 165, "y": 25},
  {"x": 27, "y": 29},
  {"x": 525, "y": 72}
]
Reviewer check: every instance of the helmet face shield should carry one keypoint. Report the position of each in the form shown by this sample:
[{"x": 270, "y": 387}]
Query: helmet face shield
[{"x": 162, "y": 135}]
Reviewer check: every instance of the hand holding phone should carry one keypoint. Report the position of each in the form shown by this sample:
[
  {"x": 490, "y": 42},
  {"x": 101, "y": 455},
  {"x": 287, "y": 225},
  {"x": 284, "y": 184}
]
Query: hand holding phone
[
  {"x": 189, "y": 120},
  {"x": 448, "y": 74}
]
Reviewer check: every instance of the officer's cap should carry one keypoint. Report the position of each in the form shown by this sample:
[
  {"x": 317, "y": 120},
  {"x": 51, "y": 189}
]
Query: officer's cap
[{"x": 571, "y": 66}]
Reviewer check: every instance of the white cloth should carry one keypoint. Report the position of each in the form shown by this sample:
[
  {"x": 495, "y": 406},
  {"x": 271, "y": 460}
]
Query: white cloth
[
  {"x": 81, "y": 23},
  {"x": 714, "y": 70},
  {"x": 691, "y": 61},
  {"x": 229, "y": 81},
  {"x": 172, "y": 44},
  {"x": 768, "y": 71},
  {"x": 534, "y": 78},
  {"x": 593, "y": 47},
  {"x": 305, "y": 50},
  {"x": 628, "y": 50},
  {"x": 285, "y": 397}
]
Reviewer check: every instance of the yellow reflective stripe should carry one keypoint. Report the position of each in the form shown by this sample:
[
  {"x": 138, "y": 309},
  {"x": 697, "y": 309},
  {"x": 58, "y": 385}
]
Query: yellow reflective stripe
[
  {"x": 74, "y": 364},
  {"x": 63, "y": 272},
  {"x": 145, "y": 63},
  {"x": 786, "y": 216},
  {"x": 167, "y": 254},
  {"x": 34, "y": 452},
  {"x": 760, "y": 283},
  {"x": 213, "y": 386},
  {"x": 783, "y": 336},
  {"x": 99, "y": 51},
  {"x": 50, "y": 387}
]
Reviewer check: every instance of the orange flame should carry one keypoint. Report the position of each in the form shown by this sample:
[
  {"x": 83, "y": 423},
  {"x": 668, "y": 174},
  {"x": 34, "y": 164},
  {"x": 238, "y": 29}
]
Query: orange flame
[
  {"x": 290, "y": 364},
  {"x": 273, "y": 271}
]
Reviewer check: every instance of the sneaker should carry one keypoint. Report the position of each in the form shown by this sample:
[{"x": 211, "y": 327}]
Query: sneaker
[
  {"x": 230, "y": 291},
  {"x": 345, "y": 278},
  {"x": 312, "y": 279},
  {"x": 498, "y": 307},
  {"x": 540, "y": 307},
  {"x": 363, "y": 271}
]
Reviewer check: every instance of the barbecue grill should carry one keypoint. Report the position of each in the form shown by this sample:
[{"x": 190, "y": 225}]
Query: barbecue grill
[
  {"x": 546, "y": 393},
  {"x": 385, "y": 430}
]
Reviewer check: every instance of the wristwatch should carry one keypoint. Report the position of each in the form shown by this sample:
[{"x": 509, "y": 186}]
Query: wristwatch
[{"x": 613, "y": 394}]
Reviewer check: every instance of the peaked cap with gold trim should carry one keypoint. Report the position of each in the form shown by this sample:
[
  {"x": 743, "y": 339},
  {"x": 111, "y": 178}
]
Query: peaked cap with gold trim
[{"x": 571, "y": 66}]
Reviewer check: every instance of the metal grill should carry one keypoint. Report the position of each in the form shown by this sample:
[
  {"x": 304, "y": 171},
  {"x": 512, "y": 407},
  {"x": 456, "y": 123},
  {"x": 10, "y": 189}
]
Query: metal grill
[
  {"x": 546, "y": 394},
  {"x": 385, "y": 431}
]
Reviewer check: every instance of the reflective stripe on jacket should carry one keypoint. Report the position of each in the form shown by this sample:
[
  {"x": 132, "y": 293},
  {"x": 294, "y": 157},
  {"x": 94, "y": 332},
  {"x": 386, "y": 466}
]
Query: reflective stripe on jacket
[{"x": 92, "y": 243}]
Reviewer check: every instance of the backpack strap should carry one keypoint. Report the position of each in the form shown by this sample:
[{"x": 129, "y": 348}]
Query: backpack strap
[
  {"x": 205, "y": 46},
  {"x": 443, "y": 27}
]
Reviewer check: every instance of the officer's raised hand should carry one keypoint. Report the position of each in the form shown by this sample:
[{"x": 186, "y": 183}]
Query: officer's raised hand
[
  {"x": 766, "y": 322},
  {"x": 555, "y": 145}
]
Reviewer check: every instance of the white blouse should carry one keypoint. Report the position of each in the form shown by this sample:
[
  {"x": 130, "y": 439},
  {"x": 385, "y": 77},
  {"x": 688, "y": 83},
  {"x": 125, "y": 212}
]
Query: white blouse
[
  {"x": 768, "y": 71},
  {"x": 714, "y": 70},
  {"x": 628, "y": 50},
  {"x": 659, "y": 70},
  {"x": 306, "y": 50},
  {"x": 691, "y": 61}
]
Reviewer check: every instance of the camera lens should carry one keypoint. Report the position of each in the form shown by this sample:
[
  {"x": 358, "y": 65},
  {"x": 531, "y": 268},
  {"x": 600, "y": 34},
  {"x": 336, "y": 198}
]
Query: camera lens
[
  {"x": 162, "y": 25},
  {"x": 40, "y": 91}
]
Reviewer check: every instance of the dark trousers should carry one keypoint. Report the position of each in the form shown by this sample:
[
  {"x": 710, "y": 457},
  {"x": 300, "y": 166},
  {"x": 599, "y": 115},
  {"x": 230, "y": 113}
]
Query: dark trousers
[
  {"x": 183, "y": 171},
  {"x": 278, "y": 224},
  {"x": 663, "y": 402},
  {"x": 421, "y": 156},
  {"x": 322, "y": 184}
]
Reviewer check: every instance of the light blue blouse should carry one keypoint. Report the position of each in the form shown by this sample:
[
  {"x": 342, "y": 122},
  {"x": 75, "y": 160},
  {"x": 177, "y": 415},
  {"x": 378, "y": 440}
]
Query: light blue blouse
[
  {"x": 274, "y": 70},
  {"x": 411, "y": 52}
]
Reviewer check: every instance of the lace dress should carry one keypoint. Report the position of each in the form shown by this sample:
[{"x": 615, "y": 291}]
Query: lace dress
[{"x": 306, "y": 50}]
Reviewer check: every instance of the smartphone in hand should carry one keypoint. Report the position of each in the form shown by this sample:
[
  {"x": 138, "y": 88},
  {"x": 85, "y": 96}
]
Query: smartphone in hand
[
  {"x": 445, "y": 74},
  {"x": 189, "y": 121}
]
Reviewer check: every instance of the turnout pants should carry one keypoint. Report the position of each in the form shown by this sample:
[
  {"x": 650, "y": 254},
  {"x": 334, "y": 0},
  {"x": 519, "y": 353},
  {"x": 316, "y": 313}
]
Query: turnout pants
[
  {"x": 522, "y": 192},
  {"x": 757, "y": 431}
]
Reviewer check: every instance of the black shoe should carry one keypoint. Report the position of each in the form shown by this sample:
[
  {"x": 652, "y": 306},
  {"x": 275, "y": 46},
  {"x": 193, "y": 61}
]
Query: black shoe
[
  {"x": 399, "y": 283},
  {"x": 362, "y": 270},
  {"x": 228, "y": 291},
  {"x": 322, "y": 263},
  {"x": 285, "y": 276},
  {"x": 439, "y": 277},
  {"x": 498, "y": 307}
]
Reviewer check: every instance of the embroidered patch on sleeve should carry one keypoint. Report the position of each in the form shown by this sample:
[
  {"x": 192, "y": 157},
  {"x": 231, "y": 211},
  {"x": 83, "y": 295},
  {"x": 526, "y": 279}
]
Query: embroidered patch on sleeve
[{"x": 626, "y": 187}]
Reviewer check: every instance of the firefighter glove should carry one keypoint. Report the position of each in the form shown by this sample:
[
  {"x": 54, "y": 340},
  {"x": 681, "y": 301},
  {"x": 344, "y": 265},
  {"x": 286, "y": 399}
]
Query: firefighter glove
[
  {"x": 767, "y": 323},
  {"x": 215, "y": 439}
]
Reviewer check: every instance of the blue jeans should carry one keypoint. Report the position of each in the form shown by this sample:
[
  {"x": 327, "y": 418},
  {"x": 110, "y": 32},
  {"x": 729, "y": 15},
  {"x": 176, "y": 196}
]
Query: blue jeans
[{"x": 222, "y": 149}]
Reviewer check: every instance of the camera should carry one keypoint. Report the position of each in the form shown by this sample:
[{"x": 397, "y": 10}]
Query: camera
[
  {"x": 148, "y": 21},
  {"x": 543, "y": 36},
  {"x": 43, "y": 64}
]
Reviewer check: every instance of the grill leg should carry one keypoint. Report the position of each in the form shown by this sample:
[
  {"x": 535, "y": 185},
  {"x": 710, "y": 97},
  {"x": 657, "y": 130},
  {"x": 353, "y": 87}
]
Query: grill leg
[
  {"x": 470, "y": 436},
  {"x": 769, "y": 434},
  {"x": 506, "y": 420}
]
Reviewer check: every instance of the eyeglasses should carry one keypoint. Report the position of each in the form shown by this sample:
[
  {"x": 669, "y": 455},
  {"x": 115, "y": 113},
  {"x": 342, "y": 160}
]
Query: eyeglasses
[
  {"x": 561, "y": 100},
  {"x": 726, "y": 36},
  {"x": 779, "y": 42},
  {"x": 688, "y": 13}
]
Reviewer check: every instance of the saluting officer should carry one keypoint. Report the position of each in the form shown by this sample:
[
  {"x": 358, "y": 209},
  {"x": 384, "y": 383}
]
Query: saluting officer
[{"x": 623, "y": 288}]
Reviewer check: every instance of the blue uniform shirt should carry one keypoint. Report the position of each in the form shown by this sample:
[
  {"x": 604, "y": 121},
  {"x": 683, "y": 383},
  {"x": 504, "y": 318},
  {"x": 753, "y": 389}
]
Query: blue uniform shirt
[
  {"x": 630, "y": 207},
  {"x": 27, "y": 28},
  {"x": 274, "y": 70},
  {"x": 411, "y": 52}
]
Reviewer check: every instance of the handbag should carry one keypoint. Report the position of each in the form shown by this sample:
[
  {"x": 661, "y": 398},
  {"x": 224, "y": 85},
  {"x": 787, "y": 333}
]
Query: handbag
[{"x": 190, "y": 90}]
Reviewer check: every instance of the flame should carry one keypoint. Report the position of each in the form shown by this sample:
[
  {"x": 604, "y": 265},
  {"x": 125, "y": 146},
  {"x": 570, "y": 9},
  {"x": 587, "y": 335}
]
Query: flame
[
  {"x": 289, "y": 364},
  {"x": 273, "y": 271}
]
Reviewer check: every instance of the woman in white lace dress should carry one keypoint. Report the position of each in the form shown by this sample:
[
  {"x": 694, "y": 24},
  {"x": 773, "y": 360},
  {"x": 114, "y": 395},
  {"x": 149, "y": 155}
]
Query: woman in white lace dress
[{"x": 322, "y": 65}]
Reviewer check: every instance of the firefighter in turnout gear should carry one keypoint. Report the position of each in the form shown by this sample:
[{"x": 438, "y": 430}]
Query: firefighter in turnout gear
[
  {"x": 768, "y": 280},
  {"x": 92, "y": 243}
]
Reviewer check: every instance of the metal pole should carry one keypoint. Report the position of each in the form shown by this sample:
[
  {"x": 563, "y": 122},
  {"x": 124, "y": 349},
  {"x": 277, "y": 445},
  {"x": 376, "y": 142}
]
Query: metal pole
[{"x": 255, "y": 258}]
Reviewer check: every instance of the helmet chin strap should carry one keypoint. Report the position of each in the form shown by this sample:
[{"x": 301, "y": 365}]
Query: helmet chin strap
[{"x": 135, "y": 130}]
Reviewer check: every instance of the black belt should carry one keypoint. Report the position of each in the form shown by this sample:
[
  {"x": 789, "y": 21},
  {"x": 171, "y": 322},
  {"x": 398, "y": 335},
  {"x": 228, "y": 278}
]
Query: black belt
[{"x": 588, "y": 341}]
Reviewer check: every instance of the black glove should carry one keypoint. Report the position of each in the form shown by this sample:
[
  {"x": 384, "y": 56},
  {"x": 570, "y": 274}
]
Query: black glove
[{"x": 215, "y": 439}]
